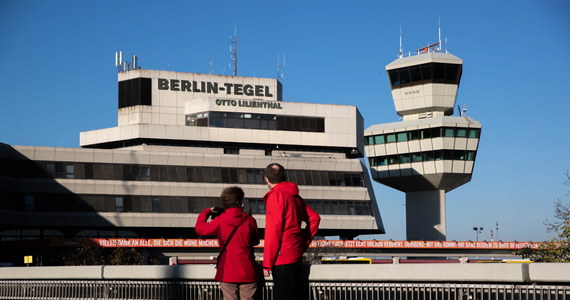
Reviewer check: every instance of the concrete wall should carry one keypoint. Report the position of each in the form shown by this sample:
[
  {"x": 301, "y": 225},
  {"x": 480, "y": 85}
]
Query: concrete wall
[{"x": 497, "y": 273}]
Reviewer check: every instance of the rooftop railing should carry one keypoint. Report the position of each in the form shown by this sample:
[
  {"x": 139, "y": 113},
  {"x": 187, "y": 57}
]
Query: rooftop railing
[{"x": 403, "y": 281}]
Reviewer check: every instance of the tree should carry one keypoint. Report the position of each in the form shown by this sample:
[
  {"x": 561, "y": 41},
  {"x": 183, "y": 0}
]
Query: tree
[
  {"x": 557, "y": 249},
  {"x": 93, "y": 255}
]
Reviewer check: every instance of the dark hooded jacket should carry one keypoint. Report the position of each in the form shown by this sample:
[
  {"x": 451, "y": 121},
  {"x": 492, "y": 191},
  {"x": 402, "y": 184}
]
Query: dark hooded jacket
[
  {"x": 237, "y": 263},
  {"x": 285, "y": 238}
]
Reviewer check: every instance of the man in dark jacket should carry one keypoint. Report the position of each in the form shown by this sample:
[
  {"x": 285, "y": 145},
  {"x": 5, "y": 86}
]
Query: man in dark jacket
[
  {"x": 285, "y": 238},
  {"x": 236, "y": 269}
]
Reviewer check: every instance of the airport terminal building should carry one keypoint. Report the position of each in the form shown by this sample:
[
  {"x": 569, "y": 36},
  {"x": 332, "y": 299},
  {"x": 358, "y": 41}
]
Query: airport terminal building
[{"x": 181, "y": 138}]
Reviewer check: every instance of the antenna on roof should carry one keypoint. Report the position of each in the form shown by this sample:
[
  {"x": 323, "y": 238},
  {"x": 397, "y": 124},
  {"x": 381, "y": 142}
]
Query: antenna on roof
[
  {"x": 234, "y": 51},
  {"x": 280, "y": 67},
  {"x": 211, "y": 65},
  {"x": 439, "y": 33},
  {"x": 123, "y": 66},
  {"x": 401, "y": 54}
]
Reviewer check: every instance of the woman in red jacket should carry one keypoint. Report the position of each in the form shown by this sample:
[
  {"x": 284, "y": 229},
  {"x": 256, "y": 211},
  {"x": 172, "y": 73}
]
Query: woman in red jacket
[{"x": 236, "y": 270}]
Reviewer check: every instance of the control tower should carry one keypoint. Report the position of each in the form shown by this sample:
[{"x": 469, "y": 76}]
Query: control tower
[{"x": 428, "y": 152}]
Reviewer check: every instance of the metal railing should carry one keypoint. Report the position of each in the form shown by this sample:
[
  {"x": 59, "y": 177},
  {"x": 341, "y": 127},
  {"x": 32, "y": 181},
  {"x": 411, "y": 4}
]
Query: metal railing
[{"x": 209, "y": 290}]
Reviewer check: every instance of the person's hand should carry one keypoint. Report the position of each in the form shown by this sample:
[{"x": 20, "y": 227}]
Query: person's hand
[
  {"x": 212, "y": 209},
  {"x": 266, "y": 273}
]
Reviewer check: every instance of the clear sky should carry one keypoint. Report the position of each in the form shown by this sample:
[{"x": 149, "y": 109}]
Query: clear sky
[{"x": 57, "y": 78}]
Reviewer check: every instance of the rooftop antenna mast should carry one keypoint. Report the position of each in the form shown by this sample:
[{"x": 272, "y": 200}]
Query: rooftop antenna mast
[
  {"x": 401, "y": 54},
  {"x": 211, "y": 65},
  {"x": 439, "y": 33},
  {"x": 234, "y": 51},
  {"x": 280, "y": 67},
  {"x": 123, "y": 66}
]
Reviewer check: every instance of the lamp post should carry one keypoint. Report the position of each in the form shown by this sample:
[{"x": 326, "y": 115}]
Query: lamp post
[{"x": 477, "y": 231}]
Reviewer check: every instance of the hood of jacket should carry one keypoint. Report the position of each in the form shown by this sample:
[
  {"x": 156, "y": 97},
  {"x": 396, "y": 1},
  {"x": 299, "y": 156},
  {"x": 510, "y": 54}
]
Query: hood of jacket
[
  {"x": 233, "y": 216},
  {"x": 284, "y": 187}
]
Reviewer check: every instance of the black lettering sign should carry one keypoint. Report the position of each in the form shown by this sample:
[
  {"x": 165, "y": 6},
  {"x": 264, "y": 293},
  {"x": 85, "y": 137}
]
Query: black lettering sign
[
  {"x": 248, "y": 90},
  {"x": 228, "y": 88},
  {"x": 259, "y": 90},
  {"x": 214, "y": 88},
  {"x": 238, "y": 89},
  {"x": 162, "y": 84},
  {"x": 186, "y": 86},
  {"x": 174, "y": 84}
]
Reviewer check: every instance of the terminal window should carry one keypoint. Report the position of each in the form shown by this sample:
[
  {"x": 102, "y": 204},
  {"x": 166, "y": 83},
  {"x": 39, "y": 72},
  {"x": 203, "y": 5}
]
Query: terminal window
[{"x": 256, "y": 121}]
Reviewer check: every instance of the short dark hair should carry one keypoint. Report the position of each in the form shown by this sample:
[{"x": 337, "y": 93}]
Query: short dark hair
[
  {"x": 232, "y": 197},
  {"x": 275, "y": 173}
]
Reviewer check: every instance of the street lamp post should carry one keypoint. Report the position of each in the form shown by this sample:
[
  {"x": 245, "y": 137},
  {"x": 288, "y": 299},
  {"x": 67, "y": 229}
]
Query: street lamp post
[{"x": 477, "y": 231}]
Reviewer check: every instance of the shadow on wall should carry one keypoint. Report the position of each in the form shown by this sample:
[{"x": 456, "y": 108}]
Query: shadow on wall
[{"x": 38, "y": 215}]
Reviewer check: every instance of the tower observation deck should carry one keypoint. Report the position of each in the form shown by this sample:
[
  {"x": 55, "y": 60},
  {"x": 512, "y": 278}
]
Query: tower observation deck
[{"x": 429, "y": 152}]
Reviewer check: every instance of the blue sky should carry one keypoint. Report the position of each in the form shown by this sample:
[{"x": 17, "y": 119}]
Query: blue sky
[{"x": 57, "y": 78}]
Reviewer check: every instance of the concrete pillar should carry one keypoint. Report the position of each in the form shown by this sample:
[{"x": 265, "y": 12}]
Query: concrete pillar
[{"x": 425, "y": 215}]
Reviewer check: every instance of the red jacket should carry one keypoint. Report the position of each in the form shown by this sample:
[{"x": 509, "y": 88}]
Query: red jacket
[
  {"x": 237, "y": 263},
  {"x": 285, "y": 239}
]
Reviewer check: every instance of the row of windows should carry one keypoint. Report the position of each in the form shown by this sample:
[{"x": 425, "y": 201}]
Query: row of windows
[
  {"x": 425, "y": 73},
  {"x": 421, "y": 134},
  {"x": 422, "y": 156},
  {"x": 135, "y": 92},
  {"x": 160, "y": 204},
  {"x": 178, "y": 173},
  {"x": 256, "y": 121}
]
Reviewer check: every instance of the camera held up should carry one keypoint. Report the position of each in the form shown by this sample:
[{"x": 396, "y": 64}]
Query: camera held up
[{"x": 216, "y": 211}]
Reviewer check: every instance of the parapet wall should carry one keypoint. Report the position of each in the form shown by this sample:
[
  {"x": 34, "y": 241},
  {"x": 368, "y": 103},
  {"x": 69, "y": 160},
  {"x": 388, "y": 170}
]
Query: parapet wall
[{"x": 498, "y": 273}]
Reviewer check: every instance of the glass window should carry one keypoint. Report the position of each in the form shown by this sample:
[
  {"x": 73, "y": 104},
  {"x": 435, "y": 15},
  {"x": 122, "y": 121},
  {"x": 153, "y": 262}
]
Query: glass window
[
  {"x": 425, "y": 133},
  {"x": 69, "y": 171},
  {"x": 404, "y": 158},
  {"x": 426, "y": 72},
  {"x": 402, "y": 136},
  {"x": 416, "y": 157},
  {"x": 59, "y": 170},
  {"x": 461, "y": 132},
  {"x": 379, "y": 139},
  {"x": 250, "y": 176},
  {"x": 414, "y": 135},
  {"x": 141, "y": 173},
  {"x": 452, "y": 73},
  {"x": 435, "y": 132},
  {"x": 404, "y": 75},
  {"x": 50, "y": 169},
  {"x": 416, "y": 74},
  {"x": 470, "y": 155},
  {"x": 474, "y": 133},
  {"x": 438, "y": 73},
  {"x": 448, "y": 132},
  {"x": 438, "y": 155},
  {"x": 119, "y": 204},
  {"x": 156, "y": 204},
  {"x": 391, "y": 138},
  {"x": 393, "y": 159},
  {"x": 459, "y": 155},
  {"x": 428, "y": 156},
  {"x": 394, "y": 80}
]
